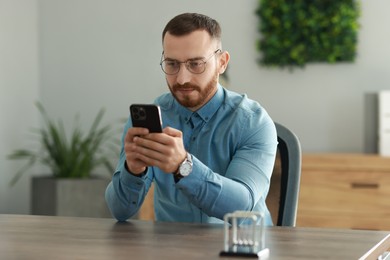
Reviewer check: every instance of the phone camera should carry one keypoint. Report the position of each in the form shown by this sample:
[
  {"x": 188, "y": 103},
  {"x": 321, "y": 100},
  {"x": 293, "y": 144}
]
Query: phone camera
[
  {"x": 142, "y": 112},
  {"x": 139, "y": 113}
]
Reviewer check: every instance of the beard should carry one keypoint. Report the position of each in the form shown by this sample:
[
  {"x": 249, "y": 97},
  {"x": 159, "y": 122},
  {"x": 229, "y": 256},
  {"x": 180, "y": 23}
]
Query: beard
[{"x": 203, "y": 95}]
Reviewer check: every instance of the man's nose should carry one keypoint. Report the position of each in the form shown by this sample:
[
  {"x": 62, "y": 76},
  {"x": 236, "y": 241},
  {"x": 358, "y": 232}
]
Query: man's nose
[{"x": 184, "y": 75}]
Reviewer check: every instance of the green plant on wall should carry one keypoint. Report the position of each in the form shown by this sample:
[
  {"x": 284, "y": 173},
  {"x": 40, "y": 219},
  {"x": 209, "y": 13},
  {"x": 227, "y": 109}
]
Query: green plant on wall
[{"x": 295, "y": 32}]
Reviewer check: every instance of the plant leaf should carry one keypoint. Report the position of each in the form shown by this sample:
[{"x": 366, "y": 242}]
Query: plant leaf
[{"x": 75, "y": 157}]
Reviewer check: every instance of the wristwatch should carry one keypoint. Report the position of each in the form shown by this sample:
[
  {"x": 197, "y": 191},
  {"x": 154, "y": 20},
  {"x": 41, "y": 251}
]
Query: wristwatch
[{"x": 185, "y": 168}]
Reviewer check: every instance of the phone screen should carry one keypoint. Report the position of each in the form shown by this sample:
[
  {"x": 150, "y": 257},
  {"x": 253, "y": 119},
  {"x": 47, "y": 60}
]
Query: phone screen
[{"x": 147, "y": 116}]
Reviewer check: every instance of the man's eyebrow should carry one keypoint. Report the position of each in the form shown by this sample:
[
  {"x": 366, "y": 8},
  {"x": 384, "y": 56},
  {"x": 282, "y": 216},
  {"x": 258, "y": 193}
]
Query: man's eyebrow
[
  {"x": 198, "y": 58},
  {"x": 191, "y": 59}
]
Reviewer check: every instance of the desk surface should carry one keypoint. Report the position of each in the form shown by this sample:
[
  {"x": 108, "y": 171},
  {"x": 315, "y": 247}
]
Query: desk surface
[{"x": 44, "y": 237}]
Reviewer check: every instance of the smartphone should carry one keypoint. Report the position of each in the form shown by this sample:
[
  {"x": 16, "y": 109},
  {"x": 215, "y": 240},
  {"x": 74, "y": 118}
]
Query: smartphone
[{"x": 147, "y": 116}]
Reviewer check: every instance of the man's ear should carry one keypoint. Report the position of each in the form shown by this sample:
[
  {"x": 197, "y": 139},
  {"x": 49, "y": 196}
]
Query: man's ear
[{"x": 223, "y": 61}]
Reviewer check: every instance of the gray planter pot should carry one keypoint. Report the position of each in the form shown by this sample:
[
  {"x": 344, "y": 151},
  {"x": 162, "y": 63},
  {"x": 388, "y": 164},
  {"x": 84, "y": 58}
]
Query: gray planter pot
[{"x": 69, "y": 197}]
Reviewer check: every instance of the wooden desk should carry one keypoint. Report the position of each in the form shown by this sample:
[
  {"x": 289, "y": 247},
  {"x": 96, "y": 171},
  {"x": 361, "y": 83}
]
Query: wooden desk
[{"x": 45, "y": 237}]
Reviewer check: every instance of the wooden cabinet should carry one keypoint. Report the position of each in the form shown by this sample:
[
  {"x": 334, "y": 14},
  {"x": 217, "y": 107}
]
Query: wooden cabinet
[
  {"x": 345, "y": 191},
  {"x": 146, "y": 211}
]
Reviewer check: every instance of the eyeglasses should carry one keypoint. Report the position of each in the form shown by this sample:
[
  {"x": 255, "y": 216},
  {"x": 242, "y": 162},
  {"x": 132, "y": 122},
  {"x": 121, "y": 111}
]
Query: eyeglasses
[{"x": 196, "y": 66}]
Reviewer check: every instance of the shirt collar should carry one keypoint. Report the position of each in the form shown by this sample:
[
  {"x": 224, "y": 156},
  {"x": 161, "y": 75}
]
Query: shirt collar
[{"x": 208, "y": 110}]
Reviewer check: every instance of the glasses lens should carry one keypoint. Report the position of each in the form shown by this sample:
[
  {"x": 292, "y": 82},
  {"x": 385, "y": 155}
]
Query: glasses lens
[
  {"x": 196, "y": 66},
  {"x": 170, "y": 66}
]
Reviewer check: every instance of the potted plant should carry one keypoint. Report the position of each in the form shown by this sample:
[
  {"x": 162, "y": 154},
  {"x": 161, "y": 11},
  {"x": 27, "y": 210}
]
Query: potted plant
[{"x": 71, "y": 189}]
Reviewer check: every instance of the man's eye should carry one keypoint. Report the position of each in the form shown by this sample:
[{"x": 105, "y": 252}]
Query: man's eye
[
  {"x": 195, "y": 64},
  {"x": 171, "y": 63}
]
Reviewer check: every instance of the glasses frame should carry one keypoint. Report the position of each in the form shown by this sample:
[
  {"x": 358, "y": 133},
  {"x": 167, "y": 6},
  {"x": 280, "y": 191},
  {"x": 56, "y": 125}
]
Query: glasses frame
[{"x": 186, "y": 63}]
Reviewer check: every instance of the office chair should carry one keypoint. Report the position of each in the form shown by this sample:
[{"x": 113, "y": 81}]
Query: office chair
[{"x": 282, "y": 199}]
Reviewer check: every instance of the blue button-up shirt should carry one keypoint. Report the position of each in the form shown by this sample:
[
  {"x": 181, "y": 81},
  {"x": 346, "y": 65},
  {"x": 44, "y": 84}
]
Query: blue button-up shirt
[{"x": 233, "y": 143}]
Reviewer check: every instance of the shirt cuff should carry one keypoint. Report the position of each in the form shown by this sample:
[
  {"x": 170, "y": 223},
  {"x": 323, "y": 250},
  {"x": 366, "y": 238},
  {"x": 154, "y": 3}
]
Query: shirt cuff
[
  {"x": 130, "y": 179},
  {"x": 137, "y": 175}
]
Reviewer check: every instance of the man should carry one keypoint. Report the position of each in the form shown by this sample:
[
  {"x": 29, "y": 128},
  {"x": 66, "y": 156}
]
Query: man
[{"x": 217, "y": 149}]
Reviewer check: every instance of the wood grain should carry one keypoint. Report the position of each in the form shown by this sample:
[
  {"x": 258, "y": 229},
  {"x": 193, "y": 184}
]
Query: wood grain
[
  {"x": 345, "y": 191},
  {"x": 48, "y": 237}
]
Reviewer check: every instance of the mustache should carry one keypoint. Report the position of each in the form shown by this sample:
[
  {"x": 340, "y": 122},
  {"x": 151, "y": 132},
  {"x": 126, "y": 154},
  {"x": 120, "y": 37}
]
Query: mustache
[{"x": 177, "y": 86}]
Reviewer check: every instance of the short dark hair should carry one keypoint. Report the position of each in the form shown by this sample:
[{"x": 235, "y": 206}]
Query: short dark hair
[{"x": 187, "y": 23}]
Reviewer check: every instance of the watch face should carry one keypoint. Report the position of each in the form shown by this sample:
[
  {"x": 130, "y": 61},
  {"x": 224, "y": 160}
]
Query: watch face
[{"x": 185, "y": 169}]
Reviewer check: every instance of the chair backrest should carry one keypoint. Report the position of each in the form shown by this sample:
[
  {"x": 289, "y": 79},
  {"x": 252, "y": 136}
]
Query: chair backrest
[{"x": 282, "y": 199}]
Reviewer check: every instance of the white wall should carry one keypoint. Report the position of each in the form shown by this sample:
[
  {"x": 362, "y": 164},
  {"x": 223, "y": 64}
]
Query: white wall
[
  {"x": 19, "y": 87},
  {"x": 106, "y": 53}
]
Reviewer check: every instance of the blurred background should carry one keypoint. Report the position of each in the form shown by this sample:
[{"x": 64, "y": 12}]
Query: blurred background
[{"x": 78, "y": 56}]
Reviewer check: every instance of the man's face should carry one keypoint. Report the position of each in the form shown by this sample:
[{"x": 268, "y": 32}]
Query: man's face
[{"x": 192, "y": 90}]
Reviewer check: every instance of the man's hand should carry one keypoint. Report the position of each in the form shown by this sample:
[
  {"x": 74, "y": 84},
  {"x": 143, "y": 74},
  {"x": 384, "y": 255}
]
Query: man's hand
[{"x": 164, "y": 150}]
